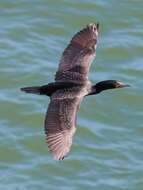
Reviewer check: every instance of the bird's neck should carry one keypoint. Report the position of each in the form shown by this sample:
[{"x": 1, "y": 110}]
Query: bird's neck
[
  {"x": 95, "y": 90},
  {"x": 99, "y": 87}
]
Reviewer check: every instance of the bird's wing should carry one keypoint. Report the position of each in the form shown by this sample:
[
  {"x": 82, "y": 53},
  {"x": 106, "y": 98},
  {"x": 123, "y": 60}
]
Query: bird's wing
[
  {"x": 60, "y": 123},
  {"x": 79, "y": 54}
]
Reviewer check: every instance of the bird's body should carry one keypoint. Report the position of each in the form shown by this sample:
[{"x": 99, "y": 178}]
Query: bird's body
[{"x": 70, "y": 86}]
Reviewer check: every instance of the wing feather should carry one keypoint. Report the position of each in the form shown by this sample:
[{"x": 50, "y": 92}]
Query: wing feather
[
  {"x": 79, "y": 54},
  {"x": 60, "y": 124}
]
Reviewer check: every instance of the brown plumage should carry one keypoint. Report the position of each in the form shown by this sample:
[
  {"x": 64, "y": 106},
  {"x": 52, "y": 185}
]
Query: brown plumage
[
  {"x": 78, "y": 56},
  {"x": 70, "y": 86},
  {"x": 60, "y": 123}
]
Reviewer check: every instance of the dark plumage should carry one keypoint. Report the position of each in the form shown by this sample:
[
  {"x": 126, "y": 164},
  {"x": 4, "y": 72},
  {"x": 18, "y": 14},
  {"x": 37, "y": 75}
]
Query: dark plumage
[{"x": 70, "y": 86}]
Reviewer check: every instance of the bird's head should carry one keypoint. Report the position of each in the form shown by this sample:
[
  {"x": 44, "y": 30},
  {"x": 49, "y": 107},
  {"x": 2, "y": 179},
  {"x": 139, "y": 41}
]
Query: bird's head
[{"x": 109, "y": 84}]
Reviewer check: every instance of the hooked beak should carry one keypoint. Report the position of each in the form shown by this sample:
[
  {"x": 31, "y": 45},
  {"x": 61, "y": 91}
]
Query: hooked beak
[{"x": 122, "y": 85}]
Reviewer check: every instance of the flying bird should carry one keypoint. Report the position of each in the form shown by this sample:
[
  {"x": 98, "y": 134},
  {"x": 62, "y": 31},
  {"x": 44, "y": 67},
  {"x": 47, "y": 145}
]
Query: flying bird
[{"x": 70, "y": 86}]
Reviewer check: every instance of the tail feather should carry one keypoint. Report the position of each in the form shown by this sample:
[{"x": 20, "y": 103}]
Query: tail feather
[{"x": 33, "y": 89}]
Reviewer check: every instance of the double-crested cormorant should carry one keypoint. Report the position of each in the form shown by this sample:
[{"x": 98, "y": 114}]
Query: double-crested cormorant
[{"x": 70, "y": 86}]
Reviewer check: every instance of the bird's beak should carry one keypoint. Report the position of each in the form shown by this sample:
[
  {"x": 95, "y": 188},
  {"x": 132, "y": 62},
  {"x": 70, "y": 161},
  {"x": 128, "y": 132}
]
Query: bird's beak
[{"x": 122, "y": 85}]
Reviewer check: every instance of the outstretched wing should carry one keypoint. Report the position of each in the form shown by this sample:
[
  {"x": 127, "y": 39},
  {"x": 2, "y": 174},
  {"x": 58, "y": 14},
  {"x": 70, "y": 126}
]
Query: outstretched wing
[
  {"x": 60, "y": 124},
  {"x": 79, "y": 54}
]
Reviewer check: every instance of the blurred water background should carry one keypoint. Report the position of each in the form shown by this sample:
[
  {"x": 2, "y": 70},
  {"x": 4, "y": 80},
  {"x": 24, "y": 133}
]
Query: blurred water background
[{"x": 107, "y": 150}]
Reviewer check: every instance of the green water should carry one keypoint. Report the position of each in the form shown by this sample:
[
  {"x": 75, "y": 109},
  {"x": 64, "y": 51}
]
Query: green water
[{"x": 107, "y": 150}]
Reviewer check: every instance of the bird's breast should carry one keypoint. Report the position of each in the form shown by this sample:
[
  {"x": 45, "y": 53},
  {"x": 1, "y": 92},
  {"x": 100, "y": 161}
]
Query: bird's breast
[{"x": 80, "y": 90}]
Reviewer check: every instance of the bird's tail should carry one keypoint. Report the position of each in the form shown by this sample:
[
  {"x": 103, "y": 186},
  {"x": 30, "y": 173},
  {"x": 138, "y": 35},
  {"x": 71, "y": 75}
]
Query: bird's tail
[{"x": 32, "y": 89}]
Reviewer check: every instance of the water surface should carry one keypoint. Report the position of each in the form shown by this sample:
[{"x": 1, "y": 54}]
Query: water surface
[{"x": 107, "y": 151}]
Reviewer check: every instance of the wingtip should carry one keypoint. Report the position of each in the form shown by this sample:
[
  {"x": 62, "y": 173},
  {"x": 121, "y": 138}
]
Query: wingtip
[
  {"x": 59, "y": 157},
  {"x": 95, "y": 25}
]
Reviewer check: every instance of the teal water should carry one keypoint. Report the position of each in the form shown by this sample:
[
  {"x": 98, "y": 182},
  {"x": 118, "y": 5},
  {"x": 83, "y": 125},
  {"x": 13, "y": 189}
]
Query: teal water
[{"x": 107, "y": 150}]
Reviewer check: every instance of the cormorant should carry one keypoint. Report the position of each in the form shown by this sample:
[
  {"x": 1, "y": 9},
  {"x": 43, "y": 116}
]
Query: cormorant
[{"x": 70, "y": 86}]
